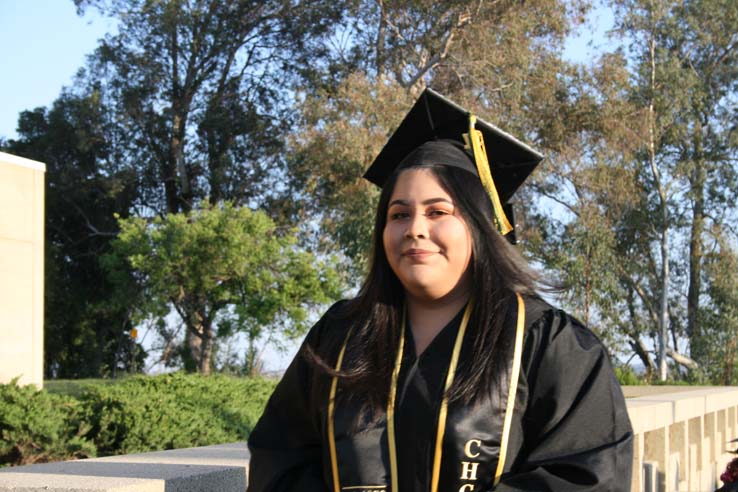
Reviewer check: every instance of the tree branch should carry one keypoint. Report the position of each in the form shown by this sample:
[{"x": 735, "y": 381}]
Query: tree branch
[
  {"x": 463, "y": 20},
  {"x": 682, "y": 360}
]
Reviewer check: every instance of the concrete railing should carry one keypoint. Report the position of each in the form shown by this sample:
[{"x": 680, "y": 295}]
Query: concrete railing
[{"x": 681, "y": 436}]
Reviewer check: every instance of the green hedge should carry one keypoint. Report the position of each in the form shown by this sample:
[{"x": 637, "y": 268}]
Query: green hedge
[
  {"x": 173, "y": 411},
  {"x": 75, "y": 387},
  {"x": 37, "y": 427},
  {"x": 139, "y": 414}
]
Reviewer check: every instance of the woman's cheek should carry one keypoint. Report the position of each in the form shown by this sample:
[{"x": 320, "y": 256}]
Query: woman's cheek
[{"x": 390, "y": 243}]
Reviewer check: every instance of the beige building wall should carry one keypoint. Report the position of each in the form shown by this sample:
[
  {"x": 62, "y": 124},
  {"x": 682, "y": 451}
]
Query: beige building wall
[{"x": 21, "y": 269}]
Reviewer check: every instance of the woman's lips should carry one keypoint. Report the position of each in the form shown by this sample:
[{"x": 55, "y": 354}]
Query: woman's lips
[{"x": 418, "y": 253}]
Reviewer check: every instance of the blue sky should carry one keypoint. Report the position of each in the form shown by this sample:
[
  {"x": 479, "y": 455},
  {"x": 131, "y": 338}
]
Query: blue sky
[{"x": 45, "y": 42}]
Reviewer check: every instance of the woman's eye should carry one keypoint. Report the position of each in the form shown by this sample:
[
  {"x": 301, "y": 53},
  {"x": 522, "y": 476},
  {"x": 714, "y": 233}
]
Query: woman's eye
[
  {"x": 436, "y": 213},
  {"x": 398, "y": 215}
]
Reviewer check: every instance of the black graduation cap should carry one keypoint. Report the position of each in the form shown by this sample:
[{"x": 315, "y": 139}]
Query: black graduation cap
[{"x": 434, "y": 118}]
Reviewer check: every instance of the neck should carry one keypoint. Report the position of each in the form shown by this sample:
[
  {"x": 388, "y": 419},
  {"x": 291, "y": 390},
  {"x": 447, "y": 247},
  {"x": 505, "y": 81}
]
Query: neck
[{"x": 428, "y": 316}]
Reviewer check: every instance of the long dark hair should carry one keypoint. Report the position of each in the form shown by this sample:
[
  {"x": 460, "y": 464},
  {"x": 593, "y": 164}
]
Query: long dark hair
[{"x": 375, "y": 314}]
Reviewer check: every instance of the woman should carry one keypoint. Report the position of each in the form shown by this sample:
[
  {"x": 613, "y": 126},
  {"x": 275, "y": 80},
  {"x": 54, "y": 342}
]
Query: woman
[{"x": 447, "y": 372}]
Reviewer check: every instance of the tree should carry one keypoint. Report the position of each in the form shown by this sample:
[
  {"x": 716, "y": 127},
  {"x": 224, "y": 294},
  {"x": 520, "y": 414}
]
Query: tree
[
  {"x": 185, "y": 100},
  {"x": 719, "y": 319},
  {"x": 652, "y": 90},
  {"x": 588, "y": 218},
  {"x": 703, "y": 43},
  {"x": 197, "y": 90},
  {"x": 685, "y": 75},
  {"x": 499, "y": 59},
  {"x": 223, "y": 269},
  {"x": 84, "y": 335},
  {"x": 198, "y": 93},
  {"x": 649, "y": 153}
]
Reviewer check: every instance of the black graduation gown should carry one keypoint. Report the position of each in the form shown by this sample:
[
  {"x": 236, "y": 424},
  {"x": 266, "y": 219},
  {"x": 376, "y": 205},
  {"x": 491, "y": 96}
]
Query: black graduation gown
[{"x": 569, "y": 432}]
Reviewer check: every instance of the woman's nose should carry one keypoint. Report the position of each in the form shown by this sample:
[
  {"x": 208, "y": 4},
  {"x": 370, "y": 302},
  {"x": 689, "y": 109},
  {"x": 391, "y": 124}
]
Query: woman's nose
[{"x": 417, "y": 226}]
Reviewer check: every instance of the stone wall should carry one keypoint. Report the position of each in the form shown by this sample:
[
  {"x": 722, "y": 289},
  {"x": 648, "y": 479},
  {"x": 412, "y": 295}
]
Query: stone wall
[{"x": 21, "y": 269}]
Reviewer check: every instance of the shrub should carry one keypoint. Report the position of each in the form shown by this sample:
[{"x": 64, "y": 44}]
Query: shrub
[
  {"x": 138, "y": 414},
  {"x": 37, "y": 427},
  {"x": 627, "y": 376},
  {"x": 173, "y": 411},
  {"x": 74, "y": 387}
]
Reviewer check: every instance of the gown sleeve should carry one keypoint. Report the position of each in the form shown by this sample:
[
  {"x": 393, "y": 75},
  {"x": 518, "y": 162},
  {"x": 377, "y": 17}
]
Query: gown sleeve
[
  {"x": 285, "y": 445},
  {"x": 576, "y": 433}
]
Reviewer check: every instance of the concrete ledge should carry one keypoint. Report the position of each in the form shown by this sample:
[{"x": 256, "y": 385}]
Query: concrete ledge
[
  {"x": 689, "y": 404},
  {"x": 219, "y": 468},
  {"x": 22, "y": 162}
]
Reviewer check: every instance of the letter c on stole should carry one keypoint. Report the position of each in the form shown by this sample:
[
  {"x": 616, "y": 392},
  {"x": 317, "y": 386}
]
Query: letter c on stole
[
  {"x": 466, "y": 487},
  {"x": 468, "y": 448}
]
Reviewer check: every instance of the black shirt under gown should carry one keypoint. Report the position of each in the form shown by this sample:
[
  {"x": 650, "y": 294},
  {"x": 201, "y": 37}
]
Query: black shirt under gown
[{"x": 420, "y": 388}]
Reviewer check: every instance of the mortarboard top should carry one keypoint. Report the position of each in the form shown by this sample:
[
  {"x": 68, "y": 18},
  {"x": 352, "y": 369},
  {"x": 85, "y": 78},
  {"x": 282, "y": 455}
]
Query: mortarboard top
[{"x": 433, "y": 117}]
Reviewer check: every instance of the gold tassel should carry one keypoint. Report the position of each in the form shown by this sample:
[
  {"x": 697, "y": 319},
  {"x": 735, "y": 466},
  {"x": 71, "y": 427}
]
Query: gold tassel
[{"x": 476, "y": 143}]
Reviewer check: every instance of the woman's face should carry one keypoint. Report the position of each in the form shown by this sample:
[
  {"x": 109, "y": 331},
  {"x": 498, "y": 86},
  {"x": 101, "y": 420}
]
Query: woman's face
[{"x": 427, "y": 243}]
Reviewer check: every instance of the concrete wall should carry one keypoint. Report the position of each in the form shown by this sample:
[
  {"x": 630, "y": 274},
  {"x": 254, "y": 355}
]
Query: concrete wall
[
  {"x": 220, "y": 468},
  {"x": 21, "y": 269}
]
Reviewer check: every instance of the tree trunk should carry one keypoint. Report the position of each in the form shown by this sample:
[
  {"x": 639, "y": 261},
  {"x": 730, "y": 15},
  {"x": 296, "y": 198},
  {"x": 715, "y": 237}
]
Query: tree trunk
[
  {"x": 640, "y": 350},
  {"x": 253, "y": 359},
  {"x": 177, "y": 156},
  {"x": 194, "y": 349},
  {"x": 695, "y": 249},
  {"x": 381, "y": 33},
  {"x": 729, "y": 362},
  {"x": 206, "y": 354},
  {"x": 170, "y": 186},
  {"x": 200, "y": 341},
  {"x": 664, "y": 276}
]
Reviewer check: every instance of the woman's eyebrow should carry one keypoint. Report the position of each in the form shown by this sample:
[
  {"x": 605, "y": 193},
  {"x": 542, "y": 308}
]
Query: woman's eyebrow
[{"x": 429, "y": 201}]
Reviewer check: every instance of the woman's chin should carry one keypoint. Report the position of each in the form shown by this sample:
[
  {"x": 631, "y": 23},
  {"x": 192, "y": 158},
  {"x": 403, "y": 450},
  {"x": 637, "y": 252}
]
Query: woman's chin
[
  {"x": 426, "y": 287},
  {"x": 427, "y": 292}
]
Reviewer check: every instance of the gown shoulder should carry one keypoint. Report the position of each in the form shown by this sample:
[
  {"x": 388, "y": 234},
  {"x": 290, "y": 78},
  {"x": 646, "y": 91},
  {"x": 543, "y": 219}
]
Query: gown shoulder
[
  {"x": 286, "y": 445},
  {"x": 577, "y": 434}
]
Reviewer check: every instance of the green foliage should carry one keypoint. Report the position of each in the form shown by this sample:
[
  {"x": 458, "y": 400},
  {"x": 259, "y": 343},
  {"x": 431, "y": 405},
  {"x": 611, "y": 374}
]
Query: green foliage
[
  {"x": 342, "y": 132},
  {"x": 500, "y": 60},
  {"x": 132, "y": 415},
  {"x": 173, "y": 411},
  {"x": 647, "y": 168},
  {"x": 627, "y": 377},
  {"x": 717, "y": 350},
  {"x": 184, "y": 100},
  {"x": 74, "y": 387},
  {"x": 684, "y": 79},
  {"x": 670, "y": 382},
  {"x": 36, "y": 427},
  {"x": 197, "y": 91},
  {"x": 224, "y": 270}
]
